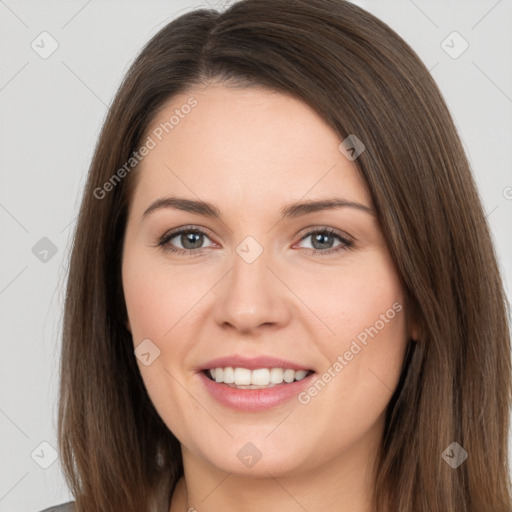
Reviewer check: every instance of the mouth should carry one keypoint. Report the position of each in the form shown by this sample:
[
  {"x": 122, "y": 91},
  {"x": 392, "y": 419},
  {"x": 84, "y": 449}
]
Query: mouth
[{"x": 258, "y": 378}]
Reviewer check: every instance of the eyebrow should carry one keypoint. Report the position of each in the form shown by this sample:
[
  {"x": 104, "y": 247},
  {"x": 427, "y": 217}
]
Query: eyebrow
[{"x": 289, "y": 211}]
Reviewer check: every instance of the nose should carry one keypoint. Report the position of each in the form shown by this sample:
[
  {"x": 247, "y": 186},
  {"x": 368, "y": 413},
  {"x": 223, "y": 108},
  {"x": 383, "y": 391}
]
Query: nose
[{"x": 252, "y": 296}]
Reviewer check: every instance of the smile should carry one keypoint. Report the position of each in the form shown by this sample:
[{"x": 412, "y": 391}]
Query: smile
[
  {"x": 255, "y": 397},
  {"x": 259, "y": 378}
]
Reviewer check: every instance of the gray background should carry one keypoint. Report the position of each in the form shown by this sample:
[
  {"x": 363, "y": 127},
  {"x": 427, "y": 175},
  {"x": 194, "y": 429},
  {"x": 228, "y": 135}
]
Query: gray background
[{"x": 51, "y": 111}]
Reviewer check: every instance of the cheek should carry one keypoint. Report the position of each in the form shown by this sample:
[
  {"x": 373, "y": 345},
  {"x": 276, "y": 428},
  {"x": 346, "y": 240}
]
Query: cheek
[
  {"x": 157, "y": 296},
  {"x": 351, "y": 297},
  {"x": 364, "y": 307},
  {"x": 157, "y": 299},
  {"x": 354, "y": 387}
]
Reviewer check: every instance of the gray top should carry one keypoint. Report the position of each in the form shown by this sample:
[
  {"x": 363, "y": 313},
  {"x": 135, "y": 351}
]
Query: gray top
[
  {"x": 163, "y": 506},
  {"x": 65, "y": 507}
]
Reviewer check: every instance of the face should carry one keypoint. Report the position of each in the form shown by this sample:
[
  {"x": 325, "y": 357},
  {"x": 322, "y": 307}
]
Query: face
[{"x": 263, "y": 285}]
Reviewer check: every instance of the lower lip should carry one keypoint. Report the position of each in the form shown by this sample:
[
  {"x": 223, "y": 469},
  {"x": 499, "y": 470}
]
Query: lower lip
[{"x": 254, "y": 399}]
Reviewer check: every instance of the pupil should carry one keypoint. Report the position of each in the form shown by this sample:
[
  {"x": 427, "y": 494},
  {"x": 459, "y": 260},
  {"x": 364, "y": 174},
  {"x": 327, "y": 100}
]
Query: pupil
[
  {"x": 321, "y": 238},
  {"x": 191, "y": 238}
]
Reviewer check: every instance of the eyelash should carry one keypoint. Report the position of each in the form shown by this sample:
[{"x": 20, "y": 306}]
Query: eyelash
[{"x": 163, "y": 242}]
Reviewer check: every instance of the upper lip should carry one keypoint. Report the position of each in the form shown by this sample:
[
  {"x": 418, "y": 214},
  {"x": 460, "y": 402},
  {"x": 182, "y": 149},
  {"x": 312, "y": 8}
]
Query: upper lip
[{"x": 251, "y": 363}]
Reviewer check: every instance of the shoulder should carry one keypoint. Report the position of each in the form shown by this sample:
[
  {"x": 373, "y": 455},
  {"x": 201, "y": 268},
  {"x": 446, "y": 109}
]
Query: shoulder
[{"x": 65, "y": 507}]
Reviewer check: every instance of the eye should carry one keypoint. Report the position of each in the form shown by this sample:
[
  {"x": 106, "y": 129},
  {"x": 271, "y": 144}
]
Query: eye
[
  {"x": 323, "y": 239},
  {"x": 190, "y": 238}
]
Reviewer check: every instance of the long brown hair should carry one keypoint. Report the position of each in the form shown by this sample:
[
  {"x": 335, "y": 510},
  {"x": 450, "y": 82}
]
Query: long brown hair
[{"x": 363, "y": 79}]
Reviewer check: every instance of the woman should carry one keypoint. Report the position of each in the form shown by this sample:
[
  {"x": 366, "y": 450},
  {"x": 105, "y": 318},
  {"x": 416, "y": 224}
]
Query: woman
[{"x": 283, "y": 294}]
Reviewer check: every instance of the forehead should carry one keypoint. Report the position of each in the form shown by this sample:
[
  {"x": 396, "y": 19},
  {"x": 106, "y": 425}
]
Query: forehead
[{"x": 247, "y": 145}]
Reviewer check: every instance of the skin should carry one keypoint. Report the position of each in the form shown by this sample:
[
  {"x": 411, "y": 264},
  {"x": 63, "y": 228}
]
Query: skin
[{"x": 250, "y": 152}]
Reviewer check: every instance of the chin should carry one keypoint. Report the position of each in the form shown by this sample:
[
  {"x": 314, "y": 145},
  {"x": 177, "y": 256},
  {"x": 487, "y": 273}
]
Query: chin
[{"x": 257, "y": 459}]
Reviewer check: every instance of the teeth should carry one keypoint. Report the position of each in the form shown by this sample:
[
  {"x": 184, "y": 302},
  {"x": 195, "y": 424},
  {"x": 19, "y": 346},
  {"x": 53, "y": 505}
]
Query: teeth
[
  {"x": 261, "y": 377},
  {"x": 229, "y": 375},
  {"x": 219, "y": 375},
  {"x": 289, "y": 375}
]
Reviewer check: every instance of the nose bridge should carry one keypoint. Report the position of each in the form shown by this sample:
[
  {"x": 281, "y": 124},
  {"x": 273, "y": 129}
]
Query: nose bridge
[
  {"x": 251, "y": 295},
  {"x": 250, "y": 265}
]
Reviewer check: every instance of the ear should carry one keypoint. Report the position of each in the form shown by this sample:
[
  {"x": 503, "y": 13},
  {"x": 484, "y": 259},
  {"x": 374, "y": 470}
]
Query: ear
[{"x": 415, "y": 331}]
